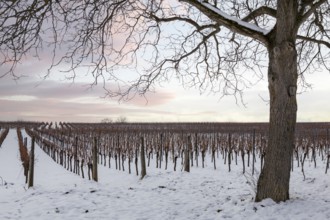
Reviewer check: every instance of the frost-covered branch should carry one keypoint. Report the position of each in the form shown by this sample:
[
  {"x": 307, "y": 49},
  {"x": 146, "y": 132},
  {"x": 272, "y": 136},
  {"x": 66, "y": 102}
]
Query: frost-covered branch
[{"x": 234, "y": 24}]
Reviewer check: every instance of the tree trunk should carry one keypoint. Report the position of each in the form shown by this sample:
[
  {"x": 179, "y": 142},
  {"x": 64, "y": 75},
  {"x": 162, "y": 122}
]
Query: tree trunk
[
  {"x": 253, "y": 150},
  {"x": 282, "y": 78}
]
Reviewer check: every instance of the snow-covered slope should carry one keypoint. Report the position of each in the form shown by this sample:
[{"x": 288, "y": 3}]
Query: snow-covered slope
[{"x": 201, "y": 194}]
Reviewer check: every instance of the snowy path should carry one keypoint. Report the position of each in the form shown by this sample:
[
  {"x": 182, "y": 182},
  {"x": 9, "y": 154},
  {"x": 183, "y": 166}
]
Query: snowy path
[
  {"x": 48, "y": 174},
  {"x": 10, "y": 158},
  {"x": 202, "y": 194}
]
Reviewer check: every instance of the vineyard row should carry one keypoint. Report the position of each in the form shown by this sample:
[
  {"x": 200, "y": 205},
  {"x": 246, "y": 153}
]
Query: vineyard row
[{"x": 73, "y": 148}]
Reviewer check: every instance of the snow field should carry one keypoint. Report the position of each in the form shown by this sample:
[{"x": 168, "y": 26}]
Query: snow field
[{"x": 162, "y": 194}]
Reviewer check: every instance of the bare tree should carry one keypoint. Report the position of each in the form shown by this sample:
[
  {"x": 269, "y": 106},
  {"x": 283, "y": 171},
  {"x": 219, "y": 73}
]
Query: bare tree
[
  {"x": 121, "y": 119},
  {"x": 106, "y": 120},
  {"x": 214, "y": 45}
]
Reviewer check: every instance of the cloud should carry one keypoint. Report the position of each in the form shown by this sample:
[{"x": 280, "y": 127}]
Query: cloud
[
  {"x": 66, "y": 91},
  {"x": 54, "y": 108},
  {"x": 161, "y": 97},
  {"x": 49, "y": 100},
  {"x": 41, "y": 89}
]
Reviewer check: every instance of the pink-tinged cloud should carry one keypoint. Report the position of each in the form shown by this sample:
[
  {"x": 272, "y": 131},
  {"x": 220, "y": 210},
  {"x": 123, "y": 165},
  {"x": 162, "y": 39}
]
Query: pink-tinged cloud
[
  {"x": 67, "y": 91},
  {"x": 160, "y": 97},
  {"x": 55, "y": 109},
  {"x": 32, "y": 99}
]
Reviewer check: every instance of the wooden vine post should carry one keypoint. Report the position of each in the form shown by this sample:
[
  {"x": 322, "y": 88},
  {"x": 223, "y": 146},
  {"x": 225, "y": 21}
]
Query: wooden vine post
[
  {"x": 196, "y": 149},
  {"x": 328, "y": 144},
  {"x": 161, "y": 151},
  {"x": 31, "y": 165},
  {"x": 186, "y": 156},
  {"x": 143, "y": 160},
  {"x": 76, "y": 165},
  {"x": 94, "y": 168},
  {"x": 229, "y": 152}
]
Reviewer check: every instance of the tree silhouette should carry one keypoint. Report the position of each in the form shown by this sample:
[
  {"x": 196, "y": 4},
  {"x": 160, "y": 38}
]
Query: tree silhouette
[{"x": 214, "y": 45}]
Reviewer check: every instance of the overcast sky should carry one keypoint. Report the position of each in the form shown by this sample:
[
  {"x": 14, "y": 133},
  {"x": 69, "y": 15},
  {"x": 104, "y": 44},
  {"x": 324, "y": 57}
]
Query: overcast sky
[
  {"x": 32, "y": 98},
  {"x": 55, "y": 99}
]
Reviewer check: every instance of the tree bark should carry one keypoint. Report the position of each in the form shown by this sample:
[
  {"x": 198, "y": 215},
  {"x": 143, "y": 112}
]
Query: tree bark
[
  {"x": 253, "y": 150},
  {"x": 282, "y": 78}
]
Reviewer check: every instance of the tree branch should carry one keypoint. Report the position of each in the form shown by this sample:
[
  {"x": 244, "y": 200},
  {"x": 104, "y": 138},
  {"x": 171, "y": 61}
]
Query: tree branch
[
  {"x": 325, "y": 43},
  {"x": 187, "y": 20},
  {"x": 264, "y": 10},
  {"x": 312, "y": 9},
  {"x": 234, "y": 24}
]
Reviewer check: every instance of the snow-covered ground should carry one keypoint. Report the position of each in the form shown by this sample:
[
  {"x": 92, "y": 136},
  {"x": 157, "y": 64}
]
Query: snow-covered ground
[{"x": 201, "y": 194}]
